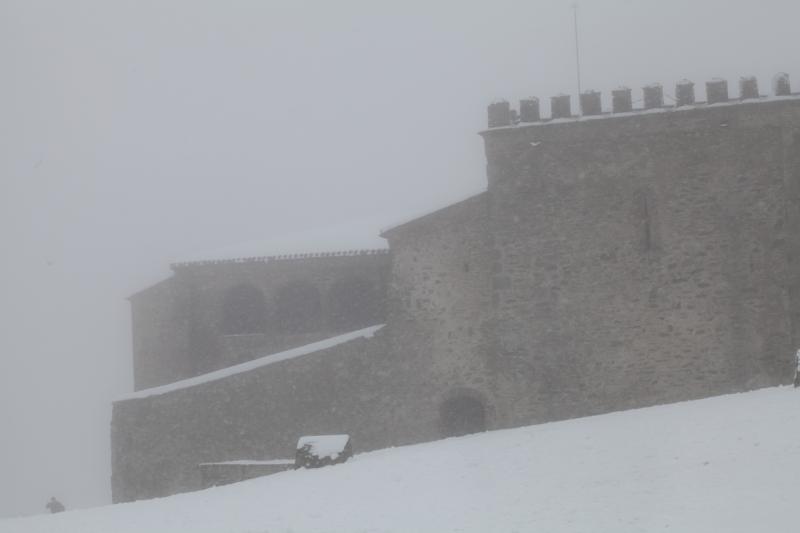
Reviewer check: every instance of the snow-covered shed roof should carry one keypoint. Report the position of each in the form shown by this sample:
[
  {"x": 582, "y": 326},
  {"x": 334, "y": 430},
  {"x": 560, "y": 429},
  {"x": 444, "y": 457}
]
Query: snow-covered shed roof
[
  {"x": 251, "y": 462},
  {"x": 323, "y": 446}
]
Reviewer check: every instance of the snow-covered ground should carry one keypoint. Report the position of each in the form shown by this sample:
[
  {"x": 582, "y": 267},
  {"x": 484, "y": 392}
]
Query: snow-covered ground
[{"x": 727, "y": 464}]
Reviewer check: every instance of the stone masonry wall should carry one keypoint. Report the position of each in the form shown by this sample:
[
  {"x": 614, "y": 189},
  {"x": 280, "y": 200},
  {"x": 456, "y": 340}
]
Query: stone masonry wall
[
  {"x": 179, "y": 325},
  {"x": 160, "y": 323},
  {"x": 158, "y": 442},
  {"x": 439, "y": 302},
  {"x": 613, "y": 263},
  {"x": 644, "y": 259}
]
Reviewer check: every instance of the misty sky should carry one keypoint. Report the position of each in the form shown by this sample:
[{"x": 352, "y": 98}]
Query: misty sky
[{"x": 135, "y": 132}]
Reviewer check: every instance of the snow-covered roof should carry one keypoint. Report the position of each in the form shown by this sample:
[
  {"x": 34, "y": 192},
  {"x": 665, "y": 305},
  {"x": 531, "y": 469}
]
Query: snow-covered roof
[
  {"x": 338, "y": 239},
  {"x": 365, "y": 333},
  {"x": 639, "y": 112},
  {"x": 322, "y": 446},
  {"x": 249, "y": 462}
]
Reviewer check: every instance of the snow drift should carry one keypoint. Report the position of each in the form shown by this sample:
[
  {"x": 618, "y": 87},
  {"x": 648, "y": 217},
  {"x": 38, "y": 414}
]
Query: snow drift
[{"x": 729, "y": 463}]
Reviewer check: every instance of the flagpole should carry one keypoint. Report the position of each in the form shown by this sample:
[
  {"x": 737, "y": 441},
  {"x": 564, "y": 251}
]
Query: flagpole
[{"x": 577, "y": 56}]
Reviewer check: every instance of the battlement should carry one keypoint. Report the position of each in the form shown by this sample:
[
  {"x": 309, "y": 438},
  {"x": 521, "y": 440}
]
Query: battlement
[
  {"x": 285, "y": 257},
  {"x": 501, "y": 114},
  {"x": 619, "y": 258}
]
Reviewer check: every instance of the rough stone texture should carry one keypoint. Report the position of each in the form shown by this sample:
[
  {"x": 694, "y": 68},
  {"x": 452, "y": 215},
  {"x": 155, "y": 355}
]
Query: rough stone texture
[
  {"x": 684, "y": 93},
  {"x": 621, "y": 100},
  {"x": 717, "y": 91},
  {"x": 644, "y": 259},
  {"x": 560, "y": 106},
  {"x": 439, "y": 304},
  {"x": 499, "y": 114},
  {"x": 159, "y": 441},
  {"x": 613, "y": 263},
  {"x": 160, "y": 323},
  {"x": 653, "y": 96},
  {"x": 748, "y": 87},
  {"x": 591, "y": 103},
  {"x": 181, "y": 327},
  {"x": 529, "y": 110},
  {"x": 781, "y": 85}
]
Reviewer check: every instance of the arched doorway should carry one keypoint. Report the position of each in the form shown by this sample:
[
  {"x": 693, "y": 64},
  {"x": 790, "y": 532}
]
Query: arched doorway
[{"x": 462, "y": 415}]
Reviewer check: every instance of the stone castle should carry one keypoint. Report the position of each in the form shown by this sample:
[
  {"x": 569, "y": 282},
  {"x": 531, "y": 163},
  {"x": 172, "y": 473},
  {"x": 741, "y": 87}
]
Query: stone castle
[{"x": 616, "y": 260}]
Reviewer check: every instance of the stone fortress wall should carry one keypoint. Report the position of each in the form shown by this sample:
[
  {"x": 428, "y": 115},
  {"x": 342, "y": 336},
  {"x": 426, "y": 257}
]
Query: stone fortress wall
[
  {"x": 159, "y": 439},
  {"x": 616, "y": 260},
  {"x": 212, "y": 314},
  {"x": 645, "y": 257}
]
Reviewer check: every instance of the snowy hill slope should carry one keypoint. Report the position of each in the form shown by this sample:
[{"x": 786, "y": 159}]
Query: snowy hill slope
[{"x": 730, "y": 463}]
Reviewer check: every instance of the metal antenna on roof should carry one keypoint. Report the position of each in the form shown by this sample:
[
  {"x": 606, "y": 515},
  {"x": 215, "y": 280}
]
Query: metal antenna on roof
[{"x": 577, "y": 56}]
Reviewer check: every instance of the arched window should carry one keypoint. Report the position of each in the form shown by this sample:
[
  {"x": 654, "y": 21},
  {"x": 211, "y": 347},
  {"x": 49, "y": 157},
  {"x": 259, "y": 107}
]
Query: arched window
[
  {"x": 353, "y": 303},
  {"x": 244, "y": 310},
  {"x": 462, "y": 415},
  {"x": 298, "y": 308}
]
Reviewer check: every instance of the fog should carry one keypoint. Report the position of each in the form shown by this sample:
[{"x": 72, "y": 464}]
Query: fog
[{"x": 135, "y": 133}]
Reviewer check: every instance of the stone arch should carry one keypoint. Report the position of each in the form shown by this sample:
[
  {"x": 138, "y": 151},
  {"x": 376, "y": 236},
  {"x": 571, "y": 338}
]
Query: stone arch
[
  {"x": 244, "y": 310},
  {"x": 298, "y": 308},
  {"x": 461, "y": 413},
  {"x": 353, "y": 303}
]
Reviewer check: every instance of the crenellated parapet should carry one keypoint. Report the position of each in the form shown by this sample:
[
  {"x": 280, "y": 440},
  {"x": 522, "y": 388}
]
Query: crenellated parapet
[
  {"x": 285, "y": 257},
  {"x": 684, "y": 93},
  {"x": 653, "y": 96},
  {"x": 622, "y": 100},
  {"x": 501, "y": 114}
]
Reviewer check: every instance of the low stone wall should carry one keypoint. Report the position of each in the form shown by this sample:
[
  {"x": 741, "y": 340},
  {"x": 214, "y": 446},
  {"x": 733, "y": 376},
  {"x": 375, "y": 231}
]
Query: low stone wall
[{"x": 158, "y": 441}]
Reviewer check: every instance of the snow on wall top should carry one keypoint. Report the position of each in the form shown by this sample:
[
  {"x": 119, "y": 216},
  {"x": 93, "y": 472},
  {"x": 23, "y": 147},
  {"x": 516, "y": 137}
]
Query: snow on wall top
[
  {"x": 639, "y": 112},
  {"x": 341, "y": 239},
  {"x": 365, "y": 333},
  {"x": 322, "y": 446},
  {"x": 249, "y": 462}
]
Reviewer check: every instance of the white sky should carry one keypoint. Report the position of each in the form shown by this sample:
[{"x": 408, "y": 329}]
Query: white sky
[{"x": 134, "y": 132}]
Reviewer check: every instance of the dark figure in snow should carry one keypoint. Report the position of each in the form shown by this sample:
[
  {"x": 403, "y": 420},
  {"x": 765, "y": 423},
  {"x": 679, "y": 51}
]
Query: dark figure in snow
[{"x": 54, "y": 506}]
